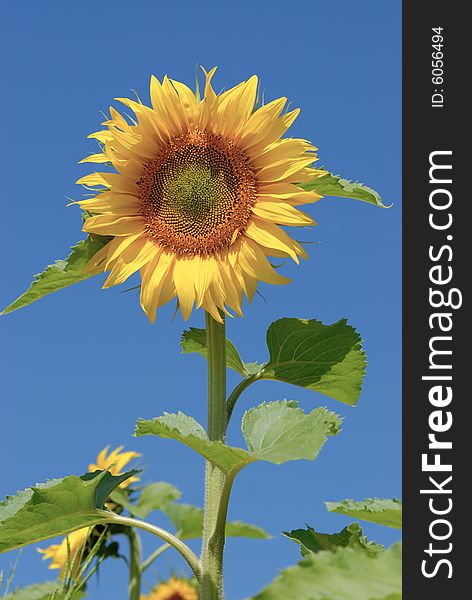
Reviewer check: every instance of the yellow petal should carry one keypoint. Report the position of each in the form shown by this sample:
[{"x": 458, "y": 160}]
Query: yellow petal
[
  {"x": 271, "y": 134},
  {"x": 96, "y": 263},
  {"x": 95, "y": 158},
  {"x": 119, "y": 245},
  {"x": 119, "y": 183},
  {"x": 236, "y": 105},
  {"x": 209, "y": 102},
  {"x": 183, "y": 281},
  {"x": 118, "y": 204},
  {"x": 162, "y": 105},
  {"x": 281, "y": 213},
  {"x": 188, "y": 100},
  {"x": 284, "y": 170},
  {"x": 102, "y": 136},
  {"x": 270, "y": 235},
  {"x": 232, "y": 288},
  {"x": 112, "y": 225},
  {"x": 253, "y": 260},
  {"x": 203, "y": 277},
  {"x": 248, "y": 283},
  {"x": 260, "y": 124},
  {"x": 131, "y": 260},
  {"x": 284, "y": 149},
  {"x": 156, "y": 283}
]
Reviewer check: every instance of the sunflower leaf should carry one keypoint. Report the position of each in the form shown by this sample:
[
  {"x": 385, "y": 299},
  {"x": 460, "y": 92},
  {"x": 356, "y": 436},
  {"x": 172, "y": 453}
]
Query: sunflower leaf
[
  {"x": 62, "y": 273},
  {"x": 375, "y": 510},
  {"x": 333, "y": 185},
  {"x": 194, "y": 340},
  {"x": 49, "y": 590},
  {"x": 57, "y": 507},
  {"x": 154, "y": 496},
  {"x": 324, "y": 358},
  {"x": 36, "y": 591},
  {"x": 188, "y": 521},
  {"x": 276, "y": 432},
  {"x": 347, "y": 574},
  {"x": 313, "y": 541}
]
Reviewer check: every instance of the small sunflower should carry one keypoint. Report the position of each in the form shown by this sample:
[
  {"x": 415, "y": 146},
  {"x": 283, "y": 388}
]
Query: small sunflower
[
  {"x": 66, "y": 555},
  {"x": 200, "y": 191},
  {"x": 72, "y": 545},
  {"x": 174, "y": 589},
  {"x": 115, "y": 462}
]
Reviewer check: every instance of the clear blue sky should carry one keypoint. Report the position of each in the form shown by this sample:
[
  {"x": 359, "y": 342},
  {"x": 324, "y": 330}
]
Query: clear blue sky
[{"x": 80, "y": 366}]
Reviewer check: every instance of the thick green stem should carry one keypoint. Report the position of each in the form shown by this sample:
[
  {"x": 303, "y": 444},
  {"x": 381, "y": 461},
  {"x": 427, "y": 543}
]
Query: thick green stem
[
  {"x": 217, "y": 540},
  {"x": 211, "y": 584},
  {"x": 134, "y": 587},
  {"x": 174, "y": 541}
]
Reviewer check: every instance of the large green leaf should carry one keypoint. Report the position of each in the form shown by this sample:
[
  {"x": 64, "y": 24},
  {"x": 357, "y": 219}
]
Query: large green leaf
[
  {"x": 194, "y": 340},
  {"x": 276, "y": 432},
  {"x": 36, "y": 591},
  {"x": 188, "y": 521},
  {"x": 49, "y": 590},
  {"x": 376, "y": 510},
  {"x": 154, "y": 496},
  {"x": 347, "y": 574},
  {"x": 324, "y": 358},
  {"x": 333, "y": 185},
  {"x": 313, "y": 541},
  {"x": 56, "y": 508},
  {"x": 62, "y": 273}
]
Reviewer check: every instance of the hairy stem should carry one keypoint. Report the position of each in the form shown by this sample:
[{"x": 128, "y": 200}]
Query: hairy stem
[
  {"x": 211, "y": 584},
  {"x": 174, "y": 541},
  {"x": 217, "y": 540},
  {"x": 134, "y": 587}
]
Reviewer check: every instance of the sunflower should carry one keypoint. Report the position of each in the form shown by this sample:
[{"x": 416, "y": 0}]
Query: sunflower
[
  {"x": 72, "y": 545},
  {"x": 200, "y": 191},
  {"x": 174, "y": 589},
  {"x": 115, "y": 462},
  {"x": 66, "y": 555}
]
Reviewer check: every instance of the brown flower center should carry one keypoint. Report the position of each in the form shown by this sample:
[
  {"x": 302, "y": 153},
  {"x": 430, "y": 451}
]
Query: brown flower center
[{"x": 197, "y": 194}]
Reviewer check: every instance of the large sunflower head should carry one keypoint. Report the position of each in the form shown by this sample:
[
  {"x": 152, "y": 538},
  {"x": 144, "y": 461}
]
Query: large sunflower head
[
  {"x": 174, "y": 589},
  {"x": 200, "y": 190}
]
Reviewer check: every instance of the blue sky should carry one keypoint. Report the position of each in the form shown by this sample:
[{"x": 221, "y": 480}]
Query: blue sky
[{"x": 80, "y": 366}]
